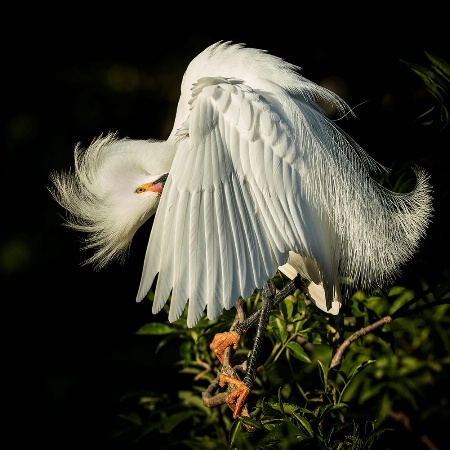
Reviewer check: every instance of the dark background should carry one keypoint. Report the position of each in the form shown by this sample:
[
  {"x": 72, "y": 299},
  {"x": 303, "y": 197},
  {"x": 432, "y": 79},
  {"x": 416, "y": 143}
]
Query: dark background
[{"x": 69, "y": 348}]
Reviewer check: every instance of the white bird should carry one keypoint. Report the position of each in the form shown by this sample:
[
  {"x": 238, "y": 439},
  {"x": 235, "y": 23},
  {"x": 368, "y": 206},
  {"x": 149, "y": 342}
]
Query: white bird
[{"x": 253, "y": 178}]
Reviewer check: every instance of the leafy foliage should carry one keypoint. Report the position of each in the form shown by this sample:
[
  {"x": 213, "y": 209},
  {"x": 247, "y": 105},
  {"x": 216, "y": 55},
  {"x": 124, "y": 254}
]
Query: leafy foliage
[
  {"x": 387, "y": 377},
  {"x": 436, "y": 78}
]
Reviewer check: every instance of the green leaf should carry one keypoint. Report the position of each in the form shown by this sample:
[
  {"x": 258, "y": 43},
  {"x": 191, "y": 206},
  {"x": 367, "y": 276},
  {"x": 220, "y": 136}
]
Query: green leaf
[
  {"x": 156, "y": 328},
  {"x": 384, "y": 406},
  {"x": 396, "y": 290},
  {"x": 250, "y": 422},
  {"x": 305, "y": 425},
  {"x": 297, "y": 351},
  {"x": 404, "y": 392},
  {"x": 131, "y": 417},
  {"x": 360, "y": 367},
  {"x": 234, "y": 432},
  {"x": 436, "y": 78},
  {"x": 280, "y": 402},
  {"x": 289, "y": 408},
  {"x": 272, "y": 409},
  {"x": 170, "y": 422},
  {"x": 440, "y": 65},
  {"x": 323, "y": 410},
  {"x": 280, "y": 329},
  {"x": 287, "y": 308},
  {"x": 371, "y": 391},
  {"x": 323, "y": 372}
]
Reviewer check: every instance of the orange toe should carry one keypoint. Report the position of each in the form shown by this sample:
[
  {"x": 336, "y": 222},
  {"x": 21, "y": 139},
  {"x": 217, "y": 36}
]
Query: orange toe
[
  {"x": 222, "y": 341},
  {"x": 236, "y": 399}
]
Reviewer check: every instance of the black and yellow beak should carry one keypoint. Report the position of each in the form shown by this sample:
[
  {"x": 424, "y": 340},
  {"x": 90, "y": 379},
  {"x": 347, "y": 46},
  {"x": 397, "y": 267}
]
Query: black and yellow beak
[{"x": 154, "y": 186}]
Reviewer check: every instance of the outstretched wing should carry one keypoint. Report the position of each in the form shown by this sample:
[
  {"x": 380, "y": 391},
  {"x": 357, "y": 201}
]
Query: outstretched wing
[
  {"x": 258, "y": 174},
  {"x": 230, "y": 211}
]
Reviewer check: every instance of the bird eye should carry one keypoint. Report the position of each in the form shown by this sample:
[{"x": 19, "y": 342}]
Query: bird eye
[{"x": 139, "y": 190}]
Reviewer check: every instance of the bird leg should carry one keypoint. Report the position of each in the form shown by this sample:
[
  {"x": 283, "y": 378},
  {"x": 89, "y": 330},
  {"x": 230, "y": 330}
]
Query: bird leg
[
  {"x": 297, "y": 283},
  {"x": 236, "y": 399},
  {"x": 231, "y": 338},
  {"x": 221, "y": 341}
]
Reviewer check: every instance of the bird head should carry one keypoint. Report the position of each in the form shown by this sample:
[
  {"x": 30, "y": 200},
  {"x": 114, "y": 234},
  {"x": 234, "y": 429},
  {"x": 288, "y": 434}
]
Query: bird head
[{"x": 113, "y": 189}]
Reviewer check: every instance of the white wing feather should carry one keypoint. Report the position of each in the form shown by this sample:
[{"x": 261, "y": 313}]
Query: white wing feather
[
  {"x": 259, "y": 172},
  {"x": 229, "y": 160}
]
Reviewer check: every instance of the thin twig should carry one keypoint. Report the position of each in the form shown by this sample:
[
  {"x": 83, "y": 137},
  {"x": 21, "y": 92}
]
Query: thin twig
[
  {"x": 207, "y": 368},
  {"x": 405, "y": 420},
  {"x": 339, "y": 355}
]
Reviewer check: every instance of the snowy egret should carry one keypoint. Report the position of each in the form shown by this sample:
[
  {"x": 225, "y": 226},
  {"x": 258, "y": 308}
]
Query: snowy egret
[{"x": 253, "y": 178}]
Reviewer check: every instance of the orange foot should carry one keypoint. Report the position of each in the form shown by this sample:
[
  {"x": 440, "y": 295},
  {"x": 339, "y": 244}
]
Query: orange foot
[
  {"x": 223, "y": 340},
  {"x": 236, "y": 399}
]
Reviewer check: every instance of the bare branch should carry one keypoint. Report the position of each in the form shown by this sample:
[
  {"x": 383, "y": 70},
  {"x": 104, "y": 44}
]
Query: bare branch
[{"x": 339, "y": 355}]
